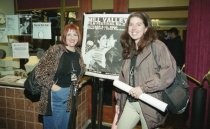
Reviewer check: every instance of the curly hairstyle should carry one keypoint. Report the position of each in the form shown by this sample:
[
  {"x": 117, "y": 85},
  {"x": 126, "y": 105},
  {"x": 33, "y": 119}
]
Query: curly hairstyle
[{"x": 128, "y": 44}]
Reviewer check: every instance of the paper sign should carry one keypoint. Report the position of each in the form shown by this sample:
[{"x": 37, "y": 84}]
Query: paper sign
[
  {"x": 3, "y": 35},
  {"x": 20, "y": 50},
  {"x": 12, "y": 24},
  {"x": 42, "y": 30}
]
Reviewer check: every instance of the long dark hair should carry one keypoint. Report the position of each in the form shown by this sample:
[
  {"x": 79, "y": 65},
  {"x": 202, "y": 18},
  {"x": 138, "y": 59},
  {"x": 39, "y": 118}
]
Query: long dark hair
[{"x": 128, "y": 44}]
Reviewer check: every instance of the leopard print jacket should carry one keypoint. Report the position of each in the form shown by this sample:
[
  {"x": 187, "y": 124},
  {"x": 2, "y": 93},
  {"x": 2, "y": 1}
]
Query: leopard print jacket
[{"x": 45, "y": 72}]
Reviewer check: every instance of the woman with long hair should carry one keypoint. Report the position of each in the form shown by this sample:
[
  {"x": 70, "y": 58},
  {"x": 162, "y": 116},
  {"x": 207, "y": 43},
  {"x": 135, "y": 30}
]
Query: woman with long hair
[{"x": 139, "y": 70}]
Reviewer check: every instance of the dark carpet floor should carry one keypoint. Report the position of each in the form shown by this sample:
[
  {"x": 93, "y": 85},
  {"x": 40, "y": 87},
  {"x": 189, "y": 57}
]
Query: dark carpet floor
[{"x": 96, "y": 127}]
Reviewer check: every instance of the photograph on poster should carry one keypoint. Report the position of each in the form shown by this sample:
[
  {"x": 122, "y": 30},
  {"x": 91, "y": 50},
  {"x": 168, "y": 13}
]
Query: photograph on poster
[
  {"x": 25, "y": 24},
  {"x": 101, "y": 48}
]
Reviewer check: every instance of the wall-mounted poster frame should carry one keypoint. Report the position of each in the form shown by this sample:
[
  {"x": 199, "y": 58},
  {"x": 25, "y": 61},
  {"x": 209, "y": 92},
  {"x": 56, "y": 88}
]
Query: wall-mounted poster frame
[
  {"x": 28, "y": 5},
  {"x": 101, "y": 48}
]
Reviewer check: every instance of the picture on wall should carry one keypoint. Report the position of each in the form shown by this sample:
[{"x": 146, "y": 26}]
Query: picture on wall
[
  {"x": 25, "y": 24},
  {"x": 12, "y": 24},
  {"x": 101, "y": 48},
  {"x": 3, "y": 35}
]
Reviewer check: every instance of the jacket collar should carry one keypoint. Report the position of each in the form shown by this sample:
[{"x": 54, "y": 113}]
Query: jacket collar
[{"x": 145, "y": 53}]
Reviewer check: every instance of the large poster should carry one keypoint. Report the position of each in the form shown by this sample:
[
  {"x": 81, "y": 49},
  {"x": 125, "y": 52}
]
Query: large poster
[{"x": 101, "y": 48}]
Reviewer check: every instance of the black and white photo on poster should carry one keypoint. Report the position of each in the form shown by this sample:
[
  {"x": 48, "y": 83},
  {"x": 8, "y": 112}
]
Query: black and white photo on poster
[
  {"x": 25, "y": 24},
  {"x": 101, "y": 48}
]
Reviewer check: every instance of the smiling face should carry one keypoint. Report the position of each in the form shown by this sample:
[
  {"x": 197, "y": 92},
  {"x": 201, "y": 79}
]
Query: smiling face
[
  {"x": 71, "y": 38},
  {"x": 136, "y": 28}
]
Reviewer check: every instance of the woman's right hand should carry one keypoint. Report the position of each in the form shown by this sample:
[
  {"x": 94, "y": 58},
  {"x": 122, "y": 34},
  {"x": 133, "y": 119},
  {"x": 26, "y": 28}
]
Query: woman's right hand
[
  {"x": 55, "y": 87},
  {"x": 136, "y": 92}
]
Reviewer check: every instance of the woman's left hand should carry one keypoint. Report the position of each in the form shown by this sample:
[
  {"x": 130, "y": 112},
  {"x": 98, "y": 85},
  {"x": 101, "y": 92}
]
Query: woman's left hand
[
  {"x": 136, "y": 92},
  {"x": 82, "y": 81},
  {"x": 80, "y": 84}
]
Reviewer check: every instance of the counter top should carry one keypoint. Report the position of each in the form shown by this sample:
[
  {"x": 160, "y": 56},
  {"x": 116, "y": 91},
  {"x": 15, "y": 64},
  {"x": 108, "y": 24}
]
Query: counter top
[
  {"x": 12, "y": 81},
  {"x": 12, "y": 84}
]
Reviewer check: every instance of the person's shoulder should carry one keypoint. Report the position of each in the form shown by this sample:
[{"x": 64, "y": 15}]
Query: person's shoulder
[
  {"x": 56, "y": 48},
  {"x": 159, "y": 44},
  {"x": 78, "y": 50}
]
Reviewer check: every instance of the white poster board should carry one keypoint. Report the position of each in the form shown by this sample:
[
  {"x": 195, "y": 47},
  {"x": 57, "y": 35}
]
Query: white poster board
[
  {"x": 20, "y": 50},
  {"x": 160, "y": 105},
  {"x": 12, "y": 24},
  {"x": 101, "y": 48},
  {"x": 42, "y": 30}
]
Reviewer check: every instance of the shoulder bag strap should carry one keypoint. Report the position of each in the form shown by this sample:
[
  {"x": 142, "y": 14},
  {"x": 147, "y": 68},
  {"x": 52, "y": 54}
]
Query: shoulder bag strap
[{"x": 154, "y": 55}]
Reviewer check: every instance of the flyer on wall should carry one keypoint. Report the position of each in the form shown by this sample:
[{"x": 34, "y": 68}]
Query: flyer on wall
[
  {"x": 42, "y": 30},
  {"x": 12, "y": 24},
  {"x": 101, "y": 48}
]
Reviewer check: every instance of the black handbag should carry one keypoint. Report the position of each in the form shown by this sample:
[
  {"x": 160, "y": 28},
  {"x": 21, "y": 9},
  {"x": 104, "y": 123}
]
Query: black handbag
[
  {"x": 32, "y": 89},
  {"x": 177, "y": 94}
]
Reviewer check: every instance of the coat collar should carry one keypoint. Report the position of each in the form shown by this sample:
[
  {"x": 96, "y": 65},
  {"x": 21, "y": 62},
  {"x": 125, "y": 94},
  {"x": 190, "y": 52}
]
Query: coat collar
[{"x": 145, "y": 53}]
